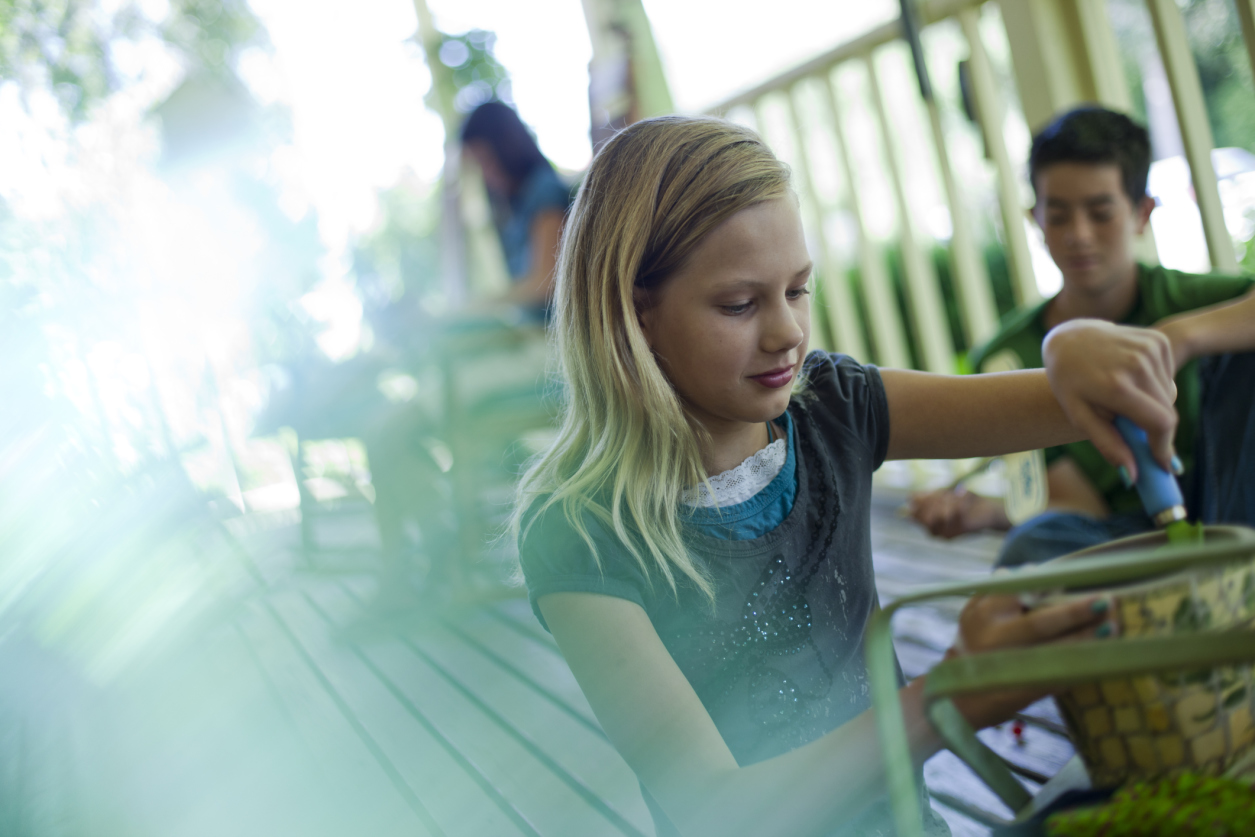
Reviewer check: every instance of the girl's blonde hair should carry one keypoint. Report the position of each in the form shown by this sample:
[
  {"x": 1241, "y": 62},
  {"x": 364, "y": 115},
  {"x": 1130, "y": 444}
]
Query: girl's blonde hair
[{"x": 627, "y": 447}]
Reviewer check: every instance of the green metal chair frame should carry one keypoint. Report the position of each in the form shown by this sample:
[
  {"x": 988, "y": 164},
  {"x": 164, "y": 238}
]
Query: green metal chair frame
[
  {"x": 471, "y": 429},
  {"x": 1045, "y": 665}
]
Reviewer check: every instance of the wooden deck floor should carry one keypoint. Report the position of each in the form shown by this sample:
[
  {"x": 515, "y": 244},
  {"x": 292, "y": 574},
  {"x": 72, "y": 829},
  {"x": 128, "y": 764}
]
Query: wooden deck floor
[{"x": 296, "y": 715}]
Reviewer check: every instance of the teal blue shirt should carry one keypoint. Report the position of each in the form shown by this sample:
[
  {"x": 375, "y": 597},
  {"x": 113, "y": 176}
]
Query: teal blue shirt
[{"x": 759, "y": 514}]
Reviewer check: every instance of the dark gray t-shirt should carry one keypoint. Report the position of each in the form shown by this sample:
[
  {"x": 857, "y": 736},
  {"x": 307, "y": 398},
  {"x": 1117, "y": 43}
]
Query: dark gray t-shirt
[{"x": 779, "y": 661}]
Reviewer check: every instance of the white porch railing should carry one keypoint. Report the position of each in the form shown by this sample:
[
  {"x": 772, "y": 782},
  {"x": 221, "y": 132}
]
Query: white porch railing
[{"x": 817, "y": 98}]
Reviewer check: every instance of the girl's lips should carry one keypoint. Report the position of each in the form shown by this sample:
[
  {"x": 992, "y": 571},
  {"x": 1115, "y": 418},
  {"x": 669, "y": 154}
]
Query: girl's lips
[{"x": 775, "y": 378}]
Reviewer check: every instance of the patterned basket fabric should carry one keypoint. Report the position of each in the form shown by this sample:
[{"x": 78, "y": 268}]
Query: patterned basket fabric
[{"x": 1157, "y": 726}]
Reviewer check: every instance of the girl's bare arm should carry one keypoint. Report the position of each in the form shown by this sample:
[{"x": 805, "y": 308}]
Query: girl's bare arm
[
  {"x": 535, "y": 288},
  {"x": 656, "y": 721},
  {"x": 1094, "y": 370}
]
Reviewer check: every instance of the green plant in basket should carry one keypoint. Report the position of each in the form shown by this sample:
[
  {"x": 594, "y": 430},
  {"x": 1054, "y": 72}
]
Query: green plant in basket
[{"x": 1185, "y": 805}]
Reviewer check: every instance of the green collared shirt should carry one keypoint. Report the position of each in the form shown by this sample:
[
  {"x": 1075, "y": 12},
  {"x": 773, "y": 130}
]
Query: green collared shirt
[{"x": 1160, "y": 293}]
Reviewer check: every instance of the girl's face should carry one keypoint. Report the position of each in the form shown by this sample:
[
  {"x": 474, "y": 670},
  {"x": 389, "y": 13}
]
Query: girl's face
[
  {"x": 730, "y": 328},
  {"x": 496, "y": 178}
]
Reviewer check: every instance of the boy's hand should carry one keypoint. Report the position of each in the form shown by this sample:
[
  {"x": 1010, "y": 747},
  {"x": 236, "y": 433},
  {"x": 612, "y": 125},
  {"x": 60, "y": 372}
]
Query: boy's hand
[
  {"x": 996, "y": 622},
  {"x": 1098, "y": 370}
]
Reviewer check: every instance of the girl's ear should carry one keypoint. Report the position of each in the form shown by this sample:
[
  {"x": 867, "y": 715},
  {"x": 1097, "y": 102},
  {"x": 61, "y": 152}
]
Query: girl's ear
[{"x": 643, "y": 299}]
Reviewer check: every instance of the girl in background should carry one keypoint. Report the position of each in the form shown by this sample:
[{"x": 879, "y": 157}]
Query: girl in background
[
  {"x": 697, "y": 539},
  {"x": 529, "y": 199}
]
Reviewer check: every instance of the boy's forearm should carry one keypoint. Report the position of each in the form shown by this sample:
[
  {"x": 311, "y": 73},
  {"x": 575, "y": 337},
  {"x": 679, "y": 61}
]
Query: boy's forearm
[{"x": 1219, "y": 329}]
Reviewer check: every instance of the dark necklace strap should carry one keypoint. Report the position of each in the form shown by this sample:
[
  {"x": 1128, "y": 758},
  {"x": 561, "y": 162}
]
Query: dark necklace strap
[{"x": 771, "y": 433}]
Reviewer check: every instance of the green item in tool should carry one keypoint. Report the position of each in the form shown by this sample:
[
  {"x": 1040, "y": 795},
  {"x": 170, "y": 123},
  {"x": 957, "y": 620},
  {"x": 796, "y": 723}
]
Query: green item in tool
[
  {"x": 1189, "y": 804},
  {"x": 1182, "y": 531}
]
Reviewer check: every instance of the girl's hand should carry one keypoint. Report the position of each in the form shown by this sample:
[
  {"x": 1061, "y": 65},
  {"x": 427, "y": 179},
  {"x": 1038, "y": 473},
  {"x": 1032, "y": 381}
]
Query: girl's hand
[
  {"x": 1098, "y": 370},
  {"x": 994, "y": 622}
]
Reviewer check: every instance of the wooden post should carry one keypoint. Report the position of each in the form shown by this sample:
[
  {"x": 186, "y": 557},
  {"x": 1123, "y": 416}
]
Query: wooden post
[
  {"x": 971, "y": 279},
  {"x": 1246, "y": 14},
  {"x": 882, "y": 303},
  {"x": 453, "y": 263},
  {"x": 990, "y": 115},
  {"x": 626, "y": 81},
  {"x": 1187, "y": 95},
  {"x": 967, "y": 267},
  {"x": 750, "y": 114},
  {"x": 927, "y": 309},
  {"x": 1065, "y": 54},
  {"x": 839, "y": 302},
  {"x": 821, "y": 334}
]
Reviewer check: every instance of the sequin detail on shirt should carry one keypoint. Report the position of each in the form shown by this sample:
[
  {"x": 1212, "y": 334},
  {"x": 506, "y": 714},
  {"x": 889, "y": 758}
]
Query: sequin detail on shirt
[{"x": 776, "y": 622}]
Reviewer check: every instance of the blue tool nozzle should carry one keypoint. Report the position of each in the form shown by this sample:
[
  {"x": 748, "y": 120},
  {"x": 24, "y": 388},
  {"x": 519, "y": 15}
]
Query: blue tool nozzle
[{"x": 1157, "y": 487}]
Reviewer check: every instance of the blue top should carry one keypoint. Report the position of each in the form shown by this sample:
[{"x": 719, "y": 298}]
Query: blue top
[
  {"x": 761, "y": 513},
  {"x": 542, "y": 190}
]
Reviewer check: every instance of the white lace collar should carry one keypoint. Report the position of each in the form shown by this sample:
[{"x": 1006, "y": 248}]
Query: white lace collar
[{"x": 743, "y": 481}]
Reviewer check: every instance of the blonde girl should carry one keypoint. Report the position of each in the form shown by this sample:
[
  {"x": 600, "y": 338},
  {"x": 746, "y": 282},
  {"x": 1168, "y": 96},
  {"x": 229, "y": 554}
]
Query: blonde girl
[{"x": 698, "y": 539}]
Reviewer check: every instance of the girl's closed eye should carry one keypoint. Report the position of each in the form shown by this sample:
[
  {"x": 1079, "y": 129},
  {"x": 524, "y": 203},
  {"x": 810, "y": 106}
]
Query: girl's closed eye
[{"x": 735, "y": 308}]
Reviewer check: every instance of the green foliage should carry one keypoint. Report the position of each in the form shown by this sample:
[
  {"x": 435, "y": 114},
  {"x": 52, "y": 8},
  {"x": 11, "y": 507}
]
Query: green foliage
[
  {"x": 1224, "y": 67},
  {"x": 1186, "y": 805},
  {"x": 81, "y": 281},
  {"x": 58, "y": 43},
  {"x": 401, "y": 256},
  {"x": 67, "y": 46},
  {"x": 999, "y": 276},
  {"x": 477, "y": 74},
  {"x": 1248, "y": 256},
  {"x": 211, "y": 33}
]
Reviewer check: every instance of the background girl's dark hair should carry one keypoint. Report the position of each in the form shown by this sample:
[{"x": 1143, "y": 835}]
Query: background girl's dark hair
[
  {"x": 499, "y": 126},
  {"x": 1095, "y": 135}
]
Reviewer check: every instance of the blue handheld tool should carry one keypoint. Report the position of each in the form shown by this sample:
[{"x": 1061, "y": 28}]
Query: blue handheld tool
[{"x": 1161, "y": 496}]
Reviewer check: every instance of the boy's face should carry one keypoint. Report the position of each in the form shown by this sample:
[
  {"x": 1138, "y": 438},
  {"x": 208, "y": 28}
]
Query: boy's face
[
  {"x": 730, "y": 328},
  {"x": 1089, "y": 224}
]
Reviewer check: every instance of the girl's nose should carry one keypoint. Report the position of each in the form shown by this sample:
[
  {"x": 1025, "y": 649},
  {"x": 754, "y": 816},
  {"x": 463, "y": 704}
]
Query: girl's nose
[{"x": 783, "y": 331}]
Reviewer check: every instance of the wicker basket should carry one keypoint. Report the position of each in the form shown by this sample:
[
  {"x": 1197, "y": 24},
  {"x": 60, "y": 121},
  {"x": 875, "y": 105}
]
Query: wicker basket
[{"x": 1159, "y": 725}]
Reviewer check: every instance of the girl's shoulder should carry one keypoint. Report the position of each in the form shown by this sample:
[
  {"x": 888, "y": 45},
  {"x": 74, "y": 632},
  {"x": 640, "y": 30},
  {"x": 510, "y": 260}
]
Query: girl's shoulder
[
  {"x": 835, "y": 374},
  {"x": 841, "y": 396},
  {"x": 561, "y": 554}
]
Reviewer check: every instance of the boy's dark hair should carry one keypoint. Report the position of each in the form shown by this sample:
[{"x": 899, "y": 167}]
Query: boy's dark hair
[
  {"x": 498, "y": 125},
  {"x": 1093, "y": 134}
]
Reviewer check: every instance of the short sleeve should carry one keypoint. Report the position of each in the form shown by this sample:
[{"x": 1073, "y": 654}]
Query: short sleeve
[
  {"x": 556, "y": 559},
  {"x": 1184, "y": 292},
  {"x": 544, "y": 191},
  {"x": 849, "y": 398}
]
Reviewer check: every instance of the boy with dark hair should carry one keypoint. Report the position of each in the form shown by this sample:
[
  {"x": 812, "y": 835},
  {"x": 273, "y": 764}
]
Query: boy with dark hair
[{"x": 1089, "y": 170}]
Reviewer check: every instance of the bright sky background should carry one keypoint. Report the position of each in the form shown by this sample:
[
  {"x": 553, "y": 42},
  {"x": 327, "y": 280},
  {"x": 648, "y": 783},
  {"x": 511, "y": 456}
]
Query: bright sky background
[
  {"x": 355, "y": 81},
  {"x": 710, "y": 56}
]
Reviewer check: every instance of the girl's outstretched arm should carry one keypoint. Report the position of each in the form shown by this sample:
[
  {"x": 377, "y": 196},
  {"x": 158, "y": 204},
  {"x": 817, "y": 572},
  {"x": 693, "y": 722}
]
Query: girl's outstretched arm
[
  {"x": 1094, "y": 370},
  {"x": 656, "y": 721}
]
